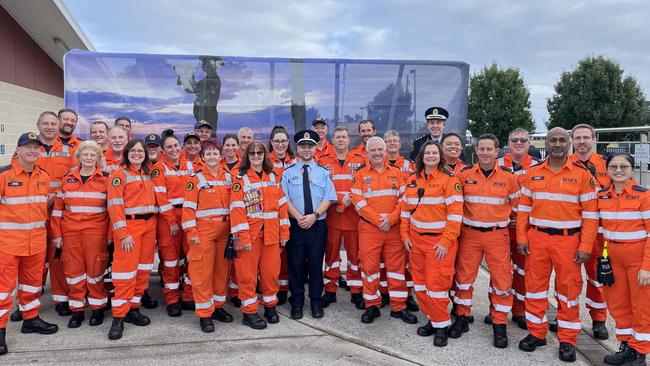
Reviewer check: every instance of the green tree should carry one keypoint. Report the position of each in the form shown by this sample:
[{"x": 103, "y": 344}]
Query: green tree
[
  {"x": 598, "y": 93},
  {"x": 499, "y": 102}
]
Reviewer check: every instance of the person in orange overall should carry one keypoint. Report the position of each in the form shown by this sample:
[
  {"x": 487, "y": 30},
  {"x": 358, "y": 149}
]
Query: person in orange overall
[
  {"x": 490, "y": 193},
  {"x": 207, "y": 227},
  {"x": 431, "y": 215},
  {"x": 132, "y": 208},
  {"x": 282, "y": 156},
  {"x": 67, "y": 123},
  {"x": 376, "y": 190},
  {"x": 584, "y": 140},
  {"x": 323, "y": 147},
  {"x": 624, "y": 211},
  {"x": 342, "y": 221},
  {"x": 23, "y": 214},
  {"x": 366, "y": 130},
  {"x": 117, "y": 139},
  {"x": 259, "y": 221},
  {"x": 99, "y": 134},
  {"x": 557, "y": 224},
  {"x": 80, "y": 212},
  {"x": 245, "y": 136},
  {"x": 452, "y": 148}
]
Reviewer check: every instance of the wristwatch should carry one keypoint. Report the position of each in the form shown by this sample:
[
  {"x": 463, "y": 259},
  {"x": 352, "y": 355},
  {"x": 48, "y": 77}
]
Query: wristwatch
[{"x": 317, "y": 215}]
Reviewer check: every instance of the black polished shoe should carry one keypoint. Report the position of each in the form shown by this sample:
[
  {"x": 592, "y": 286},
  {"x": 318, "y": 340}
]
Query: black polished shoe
[
  {"x": 63, "y": 309},
  {"x": 282, "y": 297},
  {"x": 405, "y": 315},
  {"x": 385, "y": 300},
  {"x": 188, "y": 305},
  {"x": 3, "y": 342},
  {"x": 500, "y": 336},
  {"x": 38, "y": 325},
  {"x": 600, "y": 330},
  {"x": 235, "y": 301},
  {"x": 76, "y": 319},
  {"x": 16, "y": 316},
  {"x": 357, "y": 300},
  {"x": 134, "y": 316},
  {"x": 460, "y": 326},
  {"x": 426, "y": 330},
  {"x": 174, "y": 309},
  {"x": 328, "y": 298},
  {"x": 343, "y": 284},
  {"x": 254, "y": 321},
  {"x": 148, "y": 302},
  {"x": 221, "y": 315},
  {"x": 370, "y": 314},
  {"x": 271, "y": 315},
  {"x": 520, "y": 321},
  {"x": 296, "y": 313},
  {"x": 317, "y": 311},
  {"x": 411, "y": 304},
  {"x": 207, "y": 326},
  {"x": 488, "y": 319},
  {"x": 567, "y": 352},
  {"x": 440, "y": 337},
  {"x": 117, "y": 328},
  {"x": 530, "y": 343},
  {"x": 96, "y": 318},
  {"x": 552, "y": 325},
  {"x": 625, "y": 354}
]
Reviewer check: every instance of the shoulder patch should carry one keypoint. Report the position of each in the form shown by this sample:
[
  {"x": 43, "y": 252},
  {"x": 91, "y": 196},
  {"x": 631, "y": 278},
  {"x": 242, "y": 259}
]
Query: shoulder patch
[
  {"x": 639, "y": 188},
  {"x": 592, "y": 182},
  {"x": 106, "y": 174},
  {"x": 467, "y": 167},
  {"x": 421, "y": 137},
  {"x": 448, "y": 172},
  {"x": 189, "y": 186},
  {"x": 458, "y": 188},
  {"x": 289, "y": 166},
  {"x": 236, "y": 187},
  {"x": 5, "y": 168},
  {"x": 155, "y": 173},
  {"x": 116, "y": 181},
  {"x": 507, "y": 169}
]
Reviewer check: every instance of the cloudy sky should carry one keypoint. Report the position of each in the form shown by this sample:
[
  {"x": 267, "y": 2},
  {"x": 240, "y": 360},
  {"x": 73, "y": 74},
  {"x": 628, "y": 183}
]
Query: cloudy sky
[{"x": 541, "y": 38}]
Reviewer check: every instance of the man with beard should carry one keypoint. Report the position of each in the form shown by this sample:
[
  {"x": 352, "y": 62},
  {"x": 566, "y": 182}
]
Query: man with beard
[
  {"x": 68, "y": 122},
  {"x": 366, "y": 131},
  {"x": 117, "y": 139}
]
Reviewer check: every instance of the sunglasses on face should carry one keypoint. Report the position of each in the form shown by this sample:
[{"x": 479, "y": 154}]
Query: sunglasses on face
[
  {"x": 258, "y": 153},
  {"x": 520, "y": 140}
]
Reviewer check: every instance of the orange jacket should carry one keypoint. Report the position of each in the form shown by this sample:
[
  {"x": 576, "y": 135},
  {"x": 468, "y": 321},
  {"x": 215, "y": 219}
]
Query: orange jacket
[
  {"x": 169, "y": 184},
  {"x": 562, "y": 200},
  {"x": 626, "y": 217},
  {"x": 279, "y": 165},
  {"x": 223, "y": 166},
  {"x": 130, "y": 192},
  {"x": 404, "y": 165},
  {"x": 81, "y": 207},
  {"x": 374, "y": 193},
  {"x": 73, "y": 142},
  {"x": 525, "y": 164},
  {"x": 111, "y": 162},
  {"x": 328, "y": 149},
  {"x": 488, "y": 201},
  {"x": 456, "y": 169},
  {"x": 255, "y": 203},
  {"x": 341, "y": 175},
  {"x": 207, "y": 198},
  {"x": 23, "y": 209},
  {"x": 57, "y": 161},
  {"x": 360, "y": 150},
  {"x": 439, "y": 210},
  {"x": 597, "y": 165}
]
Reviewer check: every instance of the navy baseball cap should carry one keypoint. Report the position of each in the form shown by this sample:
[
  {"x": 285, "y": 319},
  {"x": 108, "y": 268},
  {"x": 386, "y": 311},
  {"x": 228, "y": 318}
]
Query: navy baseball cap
[
  {"x": 28, "y": 137},
  {"x": 153, "y": 139}
]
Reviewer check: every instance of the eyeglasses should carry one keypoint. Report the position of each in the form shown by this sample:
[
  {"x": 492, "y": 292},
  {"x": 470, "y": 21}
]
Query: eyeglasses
[
  {"x": 617, "y": 167},
  {"x": 521, "y": 140},
  {"x": 258, "y": 153},
  {"x": 280, "y": 142}
]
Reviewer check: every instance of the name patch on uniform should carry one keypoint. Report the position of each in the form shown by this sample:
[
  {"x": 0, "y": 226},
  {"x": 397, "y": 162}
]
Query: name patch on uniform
[
  {"x": 15, "y": 184},
  {"x": 72, "y": 180},
  {"x": 470, "y": 182},
  {"x": 539, "y": 177}
]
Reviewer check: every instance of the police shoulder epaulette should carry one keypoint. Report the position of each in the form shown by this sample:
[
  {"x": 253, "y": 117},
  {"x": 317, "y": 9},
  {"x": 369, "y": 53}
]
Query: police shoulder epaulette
[
  {"x": 639, "y": 188},
  {"x": 507, "y": 169},
  {"x": 421, "y": 137},
  {"x": 106, "y": 174},
  {"x": 324, "y": 167},
  {"x": 448, "y": 172},
  {"x": 5, "y": 168},
  {"x": 467, "y": 167},
  {"x": 289, "y": 166}
]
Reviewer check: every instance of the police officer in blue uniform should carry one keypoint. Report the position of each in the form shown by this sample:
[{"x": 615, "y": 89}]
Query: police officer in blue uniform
[
  {"x": 436, "y": 118},
  {"x": 310, "y": 192}
]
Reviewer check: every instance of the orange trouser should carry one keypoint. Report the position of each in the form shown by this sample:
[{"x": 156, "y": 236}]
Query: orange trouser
[
  {"x": 548, "y": 253},
  {"x": 374, "y": 245},
  {"x": 283, "y": 279},
  {"x": 628, "y": 302},
  {"x": 208, "y": 268},
  {"x": 495, "y": 245},
  {"x": 333, "y": 260},
  {"x": 58, "y": 285},
  {"x": 432, "y": 278},
  {"x": 28, "y": 271},
  {"x": 595, "y": 300},
  {"x": 131, "y": 269},
  {"x": 518, "y": 275},
  {"x": 233, "y": 288},
  {"x": 84, "y": 263},
  {"x": 262, "y": 259},
  {"x": 188, "y": 293},
  {"x": 170, "y": 249}
]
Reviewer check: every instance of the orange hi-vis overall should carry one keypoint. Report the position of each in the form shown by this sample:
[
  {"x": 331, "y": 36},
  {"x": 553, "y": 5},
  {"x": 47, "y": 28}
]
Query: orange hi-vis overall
[
  {"x": 23, "y": 216},
  {"x": 376, "y": 195},
  {"x": 625, "y": 219},
  {"x": 258, "y": 217},
  {"x": 432, "y": 220},
  {"x": 456, "y": 169},
  {"x": 518, "y": 260},
  {"x": 278, "y": 168},
  {"x": 80, "y": 218},
  {"x": 407, "y": 168},
  {"x": 132, "y": 209},
  {"x": 489, "y": 201},
  {"x": 556, "y": 216},
  {"x": 112, "y": 162},
  {"x": 328, "y": 149},
  {"x": 342, "y": 224},
  {"x": 233, "y": 288},
  {"x": 595, "y": 298},
  {"x": 206, "y": 217}
]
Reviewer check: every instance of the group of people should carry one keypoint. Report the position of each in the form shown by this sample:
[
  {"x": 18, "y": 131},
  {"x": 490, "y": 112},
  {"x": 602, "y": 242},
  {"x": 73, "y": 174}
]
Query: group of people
[{"x": 237, "y": 220}]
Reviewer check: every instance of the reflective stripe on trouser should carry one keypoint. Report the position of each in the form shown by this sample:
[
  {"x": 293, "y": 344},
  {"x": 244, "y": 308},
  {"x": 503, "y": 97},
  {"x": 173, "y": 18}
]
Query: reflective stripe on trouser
[
  {"x": 208, "y": 268},
  {"x": 84, "y": 263},
  {"x": 495, "y": 245},
  {"x": 595, "y": 300},
  {"x": 28, "y": 272},
  {"x": 58, "y": 284},
  {"x": 170, "y": 249},
  {"x": 518, "y": 276},
  {"x": 627, "y": 301},
  {"x": 432, "y": 278},
  {"x": 283, "y": 279},
  {"x": 548, "y": 253},
  {"x": 375, "y": 245},
  {"x": 131, "y": 270},
  {"x": 262, "y": 259},
  {"x": 333, "y": 259}
]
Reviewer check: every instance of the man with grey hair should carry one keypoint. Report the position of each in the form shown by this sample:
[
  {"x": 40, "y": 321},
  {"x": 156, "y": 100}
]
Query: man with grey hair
[
  {"x": 245, "y": 136},
  {"x": 117, "y": 139}
]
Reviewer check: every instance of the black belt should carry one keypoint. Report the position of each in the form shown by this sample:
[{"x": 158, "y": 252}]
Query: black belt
[
  {"x": 180, "y": 205},
  {"x": 139, "y": 216},
  {"x": 485, "y": 229},
  {"x": 430, "y": 234},
  {"x": 558, "y": 232}
]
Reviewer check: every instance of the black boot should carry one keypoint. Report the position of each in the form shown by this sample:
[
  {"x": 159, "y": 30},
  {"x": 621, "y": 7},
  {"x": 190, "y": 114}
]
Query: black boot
[
  {"x": 207, "y": 326},
  {"x": 405, "y": 315},
  {"x": 188, "y": 305},
  {"x": 282, "y": 297},
  {"x": 357, "y": 300},
  {"x": 370, "y": 314},
  {"x": 271, "y": 315},
  {"x": 235, "y": 301},
  {"x": 460, "y": 326},
  {"x": 411, "y": 304},
  {"x": 488, "y": 319},
  {"x": 174, "y": 309},
  {"x": 530, "y": 343},
  {"x": 221, "y": 315},
  {"x": 16, "y": 316},
  {"x": 440, "y": 337},
  {"x": 343, "y": 284},
  {"x": 77, "y": 318},
  {"x": 426, "y": 330},
  {"x": 639, "y": 360},
  {"x": 134, "y": 316},
  {"x": 567, "y": 352},
  {"x": 63, "y": 309},
  {"x": 521, "y": 322},
  {"x": 38, "y": 325},
  {"x": 600, "y": 330},
  {"x": 148, "y": 302},
  {"x": 625, "y": 353},
  {"x": 328, "y": 298},
  {"x": 552, "y": 325},
  {"x": 385, "y": 300},
  {"x": 117, "y": 328},
  {"x": 500, "y": 336},
  {"x": 254, "y": 321},
  {"x": 96, "y": 318},
  {"x": 3, "y": 341}
]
